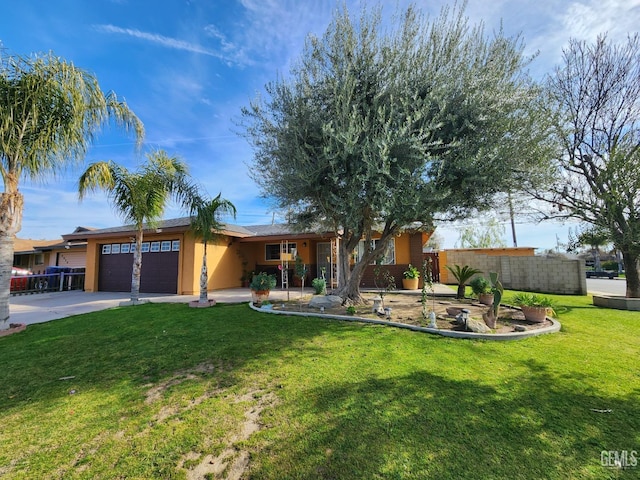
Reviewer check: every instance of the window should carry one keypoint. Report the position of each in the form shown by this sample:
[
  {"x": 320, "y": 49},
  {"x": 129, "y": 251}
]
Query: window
[
  {"x": 155, "y": 247},
  {"x": 272, "y": 250},
  {"x": 165, "y": 246},
  {"x": 175, "y": 246},
  {"x": 115, "y": 248},
  {"x": 389, "y": 257},
  {"x": 145, "y": 247},
  {"x": 39, "y": 259},
  {"x": 106, "y": 249},
  {"x": 133, "y": 248},
  {"x": 124, "y": 248}
]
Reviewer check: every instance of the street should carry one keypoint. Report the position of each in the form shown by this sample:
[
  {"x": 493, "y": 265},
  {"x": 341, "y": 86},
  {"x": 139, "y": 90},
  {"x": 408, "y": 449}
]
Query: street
[{"x": 615, "y": 286}]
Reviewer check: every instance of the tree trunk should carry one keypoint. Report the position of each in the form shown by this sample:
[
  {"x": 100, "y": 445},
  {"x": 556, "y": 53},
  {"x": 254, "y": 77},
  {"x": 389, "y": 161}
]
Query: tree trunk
[
  {"x": 6, "y": 259},
  {"x": 137, "y": 268},
  {"x": 204, "y": 278},
  {"x": 631, "y": 273},
  {"x": 350, "y": 279},
  {"x": 11, "y": 205}
]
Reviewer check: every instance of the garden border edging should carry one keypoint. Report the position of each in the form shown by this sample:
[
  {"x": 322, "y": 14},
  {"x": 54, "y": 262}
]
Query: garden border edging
[{"x": 553, "y": 328}]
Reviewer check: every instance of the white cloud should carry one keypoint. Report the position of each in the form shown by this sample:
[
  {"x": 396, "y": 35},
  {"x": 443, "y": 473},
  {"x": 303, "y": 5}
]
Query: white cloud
[
  {"x": 228, "y": 54},
  {"x": 586, "y": 20}
]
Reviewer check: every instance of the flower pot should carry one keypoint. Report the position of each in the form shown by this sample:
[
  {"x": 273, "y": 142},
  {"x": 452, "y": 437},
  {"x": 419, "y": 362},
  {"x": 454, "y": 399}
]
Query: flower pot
[
  {"x": 410, "y": 283},
  {"x": 259, "y": 296},
  {"x": 486, "y": 298},
  {"x": 534, "y": 314}
]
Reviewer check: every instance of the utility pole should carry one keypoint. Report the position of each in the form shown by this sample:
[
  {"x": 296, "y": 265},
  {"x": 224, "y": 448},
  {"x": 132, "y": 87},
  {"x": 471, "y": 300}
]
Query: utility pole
[{"x": 512, "y": 218}]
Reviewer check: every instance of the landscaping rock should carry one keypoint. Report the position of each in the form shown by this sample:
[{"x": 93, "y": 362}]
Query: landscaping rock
[
  {"x": 326, "y": 301},
  {"x": 477, "y": 326},
  {"x": 520, "y": 328}
]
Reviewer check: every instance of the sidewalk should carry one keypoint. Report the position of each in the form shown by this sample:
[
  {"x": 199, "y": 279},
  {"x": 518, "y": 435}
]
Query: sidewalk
[{"x": 43, "y": 307}]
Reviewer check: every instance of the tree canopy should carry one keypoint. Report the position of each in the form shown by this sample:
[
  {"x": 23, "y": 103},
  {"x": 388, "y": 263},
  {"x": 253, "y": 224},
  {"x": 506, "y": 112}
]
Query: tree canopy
[
  {"x": 379, "y": 128},
  {"x": 141, "y": 196},
  {"x": 596, "y": 91},
  {"x": 50, "y": 112}
]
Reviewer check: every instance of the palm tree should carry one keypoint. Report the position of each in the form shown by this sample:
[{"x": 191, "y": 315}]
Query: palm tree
[
  {"x": 205, "y": 223},
  {"x": 462, "y": 275},
  {"x": 50, "y": 112},
  {"x": 140, "y": 197}
]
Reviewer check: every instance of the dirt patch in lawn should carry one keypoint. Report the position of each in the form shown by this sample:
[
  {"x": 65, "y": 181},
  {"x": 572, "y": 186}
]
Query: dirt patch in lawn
[
  {"x": 408, "y": 309},
  {"x": 232, "y": 462}
]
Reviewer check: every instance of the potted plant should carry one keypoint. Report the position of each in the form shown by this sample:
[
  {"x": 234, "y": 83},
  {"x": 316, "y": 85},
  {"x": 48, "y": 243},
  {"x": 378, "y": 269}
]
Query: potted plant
[
  {"x": 481, "y": 288},
  {"x": 261, "y": 284},
  {"x": 411, "y": 278},
  {"x": 534, "y": 307}
]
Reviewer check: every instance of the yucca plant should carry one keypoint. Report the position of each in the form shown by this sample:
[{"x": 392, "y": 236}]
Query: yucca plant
[{"x": 462, "y": 275}]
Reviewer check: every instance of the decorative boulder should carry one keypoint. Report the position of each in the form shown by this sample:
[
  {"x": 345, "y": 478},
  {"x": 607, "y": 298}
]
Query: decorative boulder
[
  {"x": 326, "y": 301},
  {"x": 477, "y": 326}
]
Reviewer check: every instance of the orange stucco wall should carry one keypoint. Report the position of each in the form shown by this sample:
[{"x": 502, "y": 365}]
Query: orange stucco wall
[
  {"x": 253, "y": 253},
  {"x": 91, "y": 269},
  {"x": 225, "y": 258},
  {"x": 224, "y": 264}
]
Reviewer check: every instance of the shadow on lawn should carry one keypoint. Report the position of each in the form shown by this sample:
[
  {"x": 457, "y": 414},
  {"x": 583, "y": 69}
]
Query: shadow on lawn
[
  {"x": 426, "y": 426},
  {"x": 139, "y": 345}
]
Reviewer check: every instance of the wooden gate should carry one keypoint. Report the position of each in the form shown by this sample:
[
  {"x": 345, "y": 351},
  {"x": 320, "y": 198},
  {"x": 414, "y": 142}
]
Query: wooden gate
[{"x": 432, "y": 257}]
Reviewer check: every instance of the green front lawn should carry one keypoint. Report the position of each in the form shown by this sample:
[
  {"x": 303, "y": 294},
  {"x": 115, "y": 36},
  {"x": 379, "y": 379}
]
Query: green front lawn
[{"x": 156, "y": 388}]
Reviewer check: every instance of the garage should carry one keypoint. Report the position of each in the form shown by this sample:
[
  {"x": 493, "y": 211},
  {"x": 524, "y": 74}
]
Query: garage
[{"x": 159, "y": 267}]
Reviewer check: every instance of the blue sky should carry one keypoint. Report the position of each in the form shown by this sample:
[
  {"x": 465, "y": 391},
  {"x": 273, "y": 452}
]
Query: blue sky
[{"x": 186, "y": 67}]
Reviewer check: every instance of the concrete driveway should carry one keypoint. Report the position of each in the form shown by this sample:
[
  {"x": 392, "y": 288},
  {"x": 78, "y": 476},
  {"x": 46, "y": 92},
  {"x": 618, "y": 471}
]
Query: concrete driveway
[{"x": 43, "y": 307}]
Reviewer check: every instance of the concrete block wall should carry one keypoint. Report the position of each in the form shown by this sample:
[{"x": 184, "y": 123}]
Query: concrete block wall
[{"x": 529, "y": 273}]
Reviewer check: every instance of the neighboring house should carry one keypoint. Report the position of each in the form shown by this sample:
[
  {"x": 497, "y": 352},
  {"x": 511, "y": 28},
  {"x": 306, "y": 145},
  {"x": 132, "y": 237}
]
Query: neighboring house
[
  {"x": 37, "y": 255},
  {"x": 33, "y": 255},
  {"x": 172, "y": 256}
]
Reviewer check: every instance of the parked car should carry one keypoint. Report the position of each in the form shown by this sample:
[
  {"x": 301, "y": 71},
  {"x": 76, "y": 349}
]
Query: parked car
[
  {"x": 18, "y": 271},
  {"x": 602, "y": 274},
  {"x": 18, "y": 278}
]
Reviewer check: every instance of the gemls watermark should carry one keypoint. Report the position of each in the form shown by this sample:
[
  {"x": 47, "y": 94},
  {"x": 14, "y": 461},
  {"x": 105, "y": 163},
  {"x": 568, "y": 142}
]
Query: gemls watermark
[{"x": 619, "y": 458}]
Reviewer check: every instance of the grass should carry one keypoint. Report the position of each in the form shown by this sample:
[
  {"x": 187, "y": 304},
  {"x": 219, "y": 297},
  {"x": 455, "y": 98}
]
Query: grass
[{"x": 155, "y": 388}]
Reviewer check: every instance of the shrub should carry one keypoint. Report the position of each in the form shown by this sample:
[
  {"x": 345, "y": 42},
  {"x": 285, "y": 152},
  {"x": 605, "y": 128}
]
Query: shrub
[
  {"x": 320, "y": 285},
  {"x": 262, "y": 282},
  {"x": 480, "y": 285},
  {"x": 610, "y": 265}
]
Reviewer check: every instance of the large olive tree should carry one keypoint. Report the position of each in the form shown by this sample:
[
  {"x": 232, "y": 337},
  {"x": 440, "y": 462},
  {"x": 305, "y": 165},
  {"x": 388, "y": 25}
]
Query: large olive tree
[
  {"x": 596, "y": 89},
  {"x": 50, "y": 111},
  {"x": 376, "y": 129}
]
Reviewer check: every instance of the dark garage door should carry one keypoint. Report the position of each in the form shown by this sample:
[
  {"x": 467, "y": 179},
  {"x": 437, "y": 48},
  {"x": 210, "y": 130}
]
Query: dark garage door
[{"x": 159, "y": 267}]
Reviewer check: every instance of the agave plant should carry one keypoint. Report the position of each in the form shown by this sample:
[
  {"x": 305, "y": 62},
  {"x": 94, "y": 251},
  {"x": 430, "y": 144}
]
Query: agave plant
[{"x": 462, "y": 275}]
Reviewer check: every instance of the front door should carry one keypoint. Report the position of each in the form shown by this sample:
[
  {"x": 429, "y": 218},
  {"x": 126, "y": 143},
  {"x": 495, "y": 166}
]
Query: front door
[
  {"x": 323, "y": 259},
  {"x": 327, "y": 259}
]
